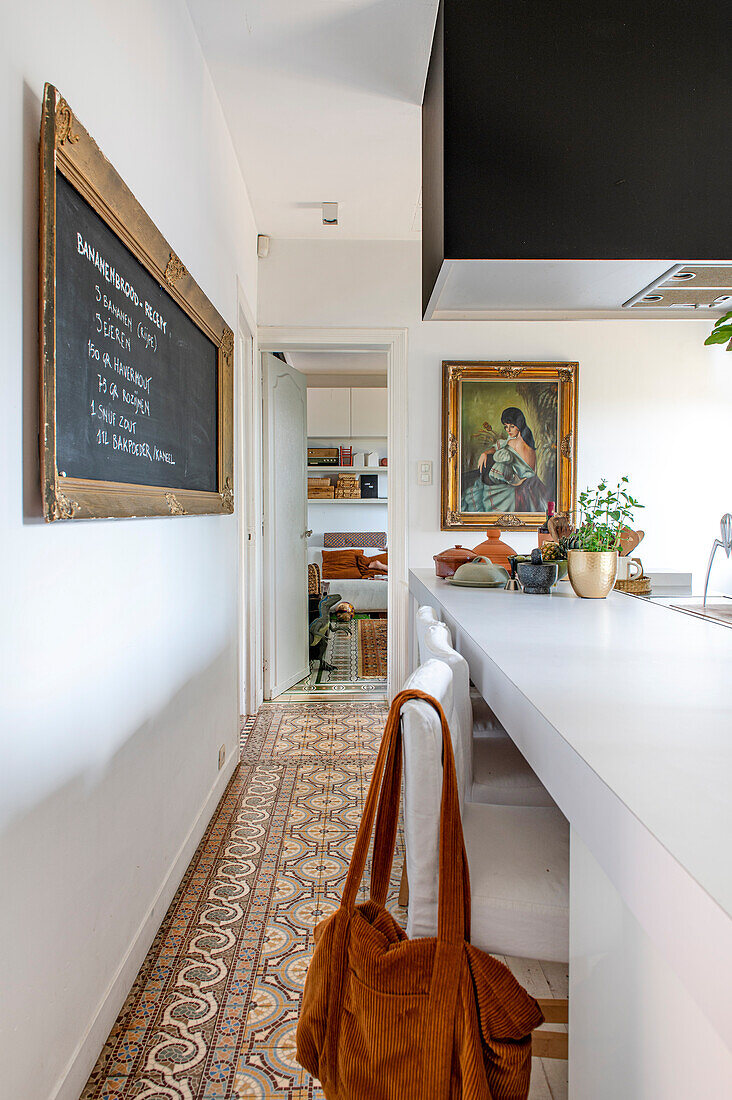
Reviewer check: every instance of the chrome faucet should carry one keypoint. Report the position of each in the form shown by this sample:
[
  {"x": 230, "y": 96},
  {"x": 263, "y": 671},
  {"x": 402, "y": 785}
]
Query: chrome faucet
[{"x": 725, "y": 542}]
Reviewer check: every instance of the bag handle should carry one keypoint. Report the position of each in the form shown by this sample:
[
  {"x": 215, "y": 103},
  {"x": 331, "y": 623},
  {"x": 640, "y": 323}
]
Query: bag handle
[
  {"x": 453, "y": 925},
  {"x": 383, "y": 795},
  {"x": 386, "y": 823}
]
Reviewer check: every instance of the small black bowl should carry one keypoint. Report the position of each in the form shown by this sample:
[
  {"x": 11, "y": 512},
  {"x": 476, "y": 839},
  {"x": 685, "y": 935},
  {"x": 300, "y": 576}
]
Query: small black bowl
[{"x": 535, "y": 579}]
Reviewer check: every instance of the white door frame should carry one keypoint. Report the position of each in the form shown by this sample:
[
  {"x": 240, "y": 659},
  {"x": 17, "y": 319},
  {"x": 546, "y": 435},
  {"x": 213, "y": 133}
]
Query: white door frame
[
  {"x": 393, "y": 342},
  {"x": 249, "y": 496}
]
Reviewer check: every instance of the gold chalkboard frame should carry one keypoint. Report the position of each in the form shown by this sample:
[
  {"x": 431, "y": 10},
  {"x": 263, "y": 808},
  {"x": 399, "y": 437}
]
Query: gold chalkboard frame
[{"x": 67, "y": 147}]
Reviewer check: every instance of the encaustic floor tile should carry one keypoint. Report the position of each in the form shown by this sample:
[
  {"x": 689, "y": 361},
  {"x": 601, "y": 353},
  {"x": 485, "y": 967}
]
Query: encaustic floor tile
[{"x": 213, "y": 1012}]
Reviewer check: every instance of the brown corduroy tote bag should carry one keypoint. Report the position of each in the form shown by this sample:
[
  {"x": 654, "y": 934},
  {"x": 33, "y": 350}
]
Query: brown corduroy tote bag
[{"x": 387, "y": 1018}]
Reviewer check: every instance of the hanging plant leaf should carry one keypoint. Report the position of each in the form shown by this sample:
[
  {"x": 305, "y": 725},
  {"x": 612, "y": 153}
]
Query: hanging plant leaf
[{"x": 719, "y": 335}]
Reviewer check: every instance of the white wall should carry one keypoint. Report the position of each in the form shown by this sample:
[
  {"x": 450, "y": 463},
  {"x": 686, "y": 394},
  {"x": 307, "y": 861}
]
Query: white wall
[
  {"x": 654, "y": 402},
  {"x": 118, "y": 654}
]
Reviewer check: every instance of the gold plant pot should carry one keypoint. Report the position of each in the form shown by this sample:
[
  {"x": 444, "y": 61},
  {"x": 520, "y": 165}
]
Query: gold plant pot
[{"x": 592, "y": 572}]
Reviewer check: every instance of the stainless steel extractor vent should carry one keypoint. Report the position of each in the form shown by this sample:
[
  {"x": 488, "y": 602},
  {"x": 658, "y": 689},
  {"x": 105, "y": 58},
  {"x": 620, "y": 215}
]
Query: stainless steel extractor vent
[{"x": 687, "y": 286}]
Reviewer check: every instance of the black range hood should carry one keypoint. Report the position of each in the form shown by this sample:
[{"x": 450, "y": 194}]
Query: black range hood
[{"x": 576, "y": 159}]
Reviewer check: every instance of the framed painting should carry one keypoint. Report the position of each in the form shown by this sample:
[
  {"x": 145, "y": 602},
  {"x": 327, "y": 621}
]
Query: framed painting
[{"x": 509, "y": 440}]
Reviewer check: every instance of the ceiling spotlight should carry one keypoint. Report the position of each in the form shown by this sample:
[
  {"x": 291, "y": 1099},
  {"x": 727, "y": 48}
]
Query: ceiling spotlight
[{"x": 330, "y": 213}]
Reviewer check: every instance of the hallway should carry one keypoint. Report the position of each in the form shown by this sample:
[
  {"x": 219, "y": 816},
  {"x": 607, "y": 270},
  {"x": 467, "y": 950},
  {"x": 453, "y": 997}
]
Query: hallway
[{"x": 213, "y": 1012}]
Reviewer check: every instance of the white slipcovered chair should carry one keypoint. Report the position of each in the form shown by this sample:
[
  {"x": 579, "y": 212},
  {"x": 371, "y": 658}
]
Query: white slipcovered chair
[
  {"x": 518, "y": 855},
  {"x": 485, "y": 723},
  {"x": 421, "y": 826},
  {"x": 424, "y": 618},
  {"x": 497, "y": 772}
]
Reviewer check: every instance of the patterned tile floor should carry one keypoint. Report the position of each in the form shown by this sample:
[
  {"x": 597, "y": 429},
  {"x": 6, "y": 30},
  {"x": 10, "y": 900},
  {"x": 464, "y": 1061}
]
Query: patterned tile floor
[{"x": 213, "y": 1011}]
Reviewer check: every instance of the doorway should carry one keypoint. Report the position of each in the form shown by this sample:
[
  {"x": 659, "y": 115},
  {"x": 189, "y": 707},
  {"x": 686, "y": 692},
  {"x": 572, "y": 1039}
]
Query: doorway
[
  {"x": 347, "y": 493},
  {"x": 349, "y": 513}
]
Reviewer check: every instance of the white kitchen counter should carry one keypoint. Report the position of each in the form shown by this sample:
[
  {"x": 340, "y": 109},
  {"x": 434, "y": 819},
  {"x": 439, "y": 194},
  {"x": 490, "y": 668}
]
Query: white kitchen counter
[{"x": 624, "y": 709}]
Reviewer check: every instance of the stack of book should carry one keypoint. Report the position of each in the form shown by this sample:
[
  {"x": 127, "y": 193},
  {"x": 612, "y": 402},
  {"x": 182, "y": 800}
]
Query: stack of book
[
  {"x": 348, "y": 487},
  {"x": 320, "y": 488}
]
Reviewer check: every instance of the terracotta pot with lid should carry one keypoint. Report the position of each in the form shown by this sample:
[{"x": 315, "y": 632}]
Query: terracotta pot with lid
[
  {"x": 449, "y": 560},
  {"x": 495, "y": 549}
]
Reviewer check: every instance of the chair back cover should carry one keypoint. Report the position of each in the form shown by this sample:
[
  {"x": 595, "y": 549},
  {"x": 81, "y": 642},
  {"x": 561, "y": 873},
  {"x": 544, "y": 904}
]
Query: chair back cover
[
  {"x": 438, "y": 646},
  {"x": 422, "y": 735},
  {"x": 424, "y": 618},
  {"x": 387, "y": 1018}
]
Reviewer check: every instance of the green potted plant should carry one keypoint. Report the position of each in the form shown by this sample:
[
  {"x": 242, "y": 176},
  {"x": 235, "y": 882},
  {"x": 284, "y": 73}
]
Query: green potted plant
[{"x": 604, "y": 513}]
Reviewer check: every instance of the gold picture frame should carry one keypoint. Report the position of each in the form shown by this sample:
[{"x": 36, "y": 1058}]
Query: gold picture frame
[
  {"x": 67, "y": 148},
  {"x": 492, "y": 476}
]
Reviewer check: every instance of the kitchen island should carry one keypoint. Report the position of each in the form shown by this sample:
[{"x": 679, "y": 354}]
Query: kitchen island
[{"x": 624, "y": 710}]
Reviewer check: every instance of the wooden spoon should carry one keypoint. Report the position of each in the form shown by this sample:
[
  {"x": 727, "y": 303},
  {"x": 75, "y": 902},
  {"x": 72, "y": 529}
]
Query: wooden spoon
[{"x": 629, "y": 539}]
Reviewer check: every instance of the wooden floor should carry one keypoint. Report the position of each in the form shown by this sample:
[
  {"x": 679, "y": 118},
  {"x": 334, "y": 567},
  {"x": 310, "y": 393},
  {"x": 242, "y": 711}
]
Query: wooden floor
[{"x": 548, "y": 1075}]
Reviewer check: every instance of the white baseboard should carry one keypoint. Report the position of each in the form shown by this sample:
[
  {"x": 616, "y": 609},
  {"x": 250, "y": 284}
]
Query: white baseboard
[{"x": 82, "y": 1061}]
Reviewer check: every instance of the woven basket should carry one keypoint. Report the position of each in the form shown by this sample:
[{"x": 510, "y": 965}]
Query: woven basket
[{"x": 639, "y": 586}]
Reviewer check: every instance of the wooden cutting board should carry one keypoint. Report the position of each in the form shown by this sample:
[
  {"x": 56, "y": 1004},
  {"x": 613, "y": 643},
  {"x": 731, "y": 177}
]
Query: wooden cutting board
[{"x": 629, "y": 539}]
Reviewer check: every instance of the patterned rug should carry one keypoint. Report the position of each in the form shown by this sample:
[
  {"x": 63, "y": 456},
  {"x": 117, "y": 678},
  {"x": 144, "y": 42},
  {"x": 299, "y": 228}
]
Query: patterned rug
[
  {"x": 358, "y": 659},
  {"x": 341, "y": 652},
  {"x": 212, "y": 1014},
  {"x": 372, "y": 648}
]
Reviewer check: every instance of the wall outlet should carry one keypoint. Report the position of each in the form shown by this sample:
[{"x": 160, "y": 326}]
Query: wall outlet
[
  {"x": 424, "y": 473},
  {"x": 222, "y": 756}
]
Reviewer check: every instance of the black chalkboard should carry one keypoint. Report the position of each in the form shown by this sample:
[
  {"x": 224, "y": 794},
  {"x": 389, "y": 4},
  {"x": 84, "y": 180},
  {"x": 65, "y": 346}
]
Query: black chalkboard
[{"x": 136, "y": 379}]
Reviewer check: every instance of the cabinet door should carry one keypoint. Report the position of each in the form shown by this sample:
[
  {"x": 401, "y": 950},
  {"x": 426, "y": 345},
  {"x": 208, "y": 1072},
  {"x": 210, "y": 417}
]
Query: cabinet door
[
  {"x": 329, "y": 413},
  {"x": 368, "y": 412}
]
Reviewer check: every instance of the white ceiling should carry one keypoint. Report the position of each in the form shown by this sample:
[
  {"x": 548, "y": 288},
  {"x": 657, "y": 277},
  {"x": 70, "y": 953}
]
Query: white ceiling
[{"x": 323, "y": 101}]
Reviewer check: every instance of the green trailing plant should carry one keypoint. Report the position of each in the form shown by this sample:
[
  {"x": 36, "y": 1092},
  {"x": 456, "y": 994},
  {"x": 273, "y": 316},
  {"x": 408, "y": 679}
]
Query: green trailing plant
[
  {"x": 604, "y": 513},
  {"x": 722, "y": 332}
]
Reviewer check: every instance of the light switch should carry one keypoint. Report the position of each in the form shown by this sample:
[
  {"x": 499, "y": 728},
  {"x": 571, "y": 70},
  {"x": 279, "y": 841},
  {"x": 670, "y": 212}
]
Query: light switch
[{"x": 424, "y": 473}]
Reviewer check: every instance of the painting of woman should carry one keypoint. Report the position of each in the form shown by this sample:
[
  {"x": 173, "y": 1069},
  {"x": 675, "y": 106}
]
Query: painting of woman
[
  {"x": 506, "y": 479},
  {"x": 508, "y": 442}
]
